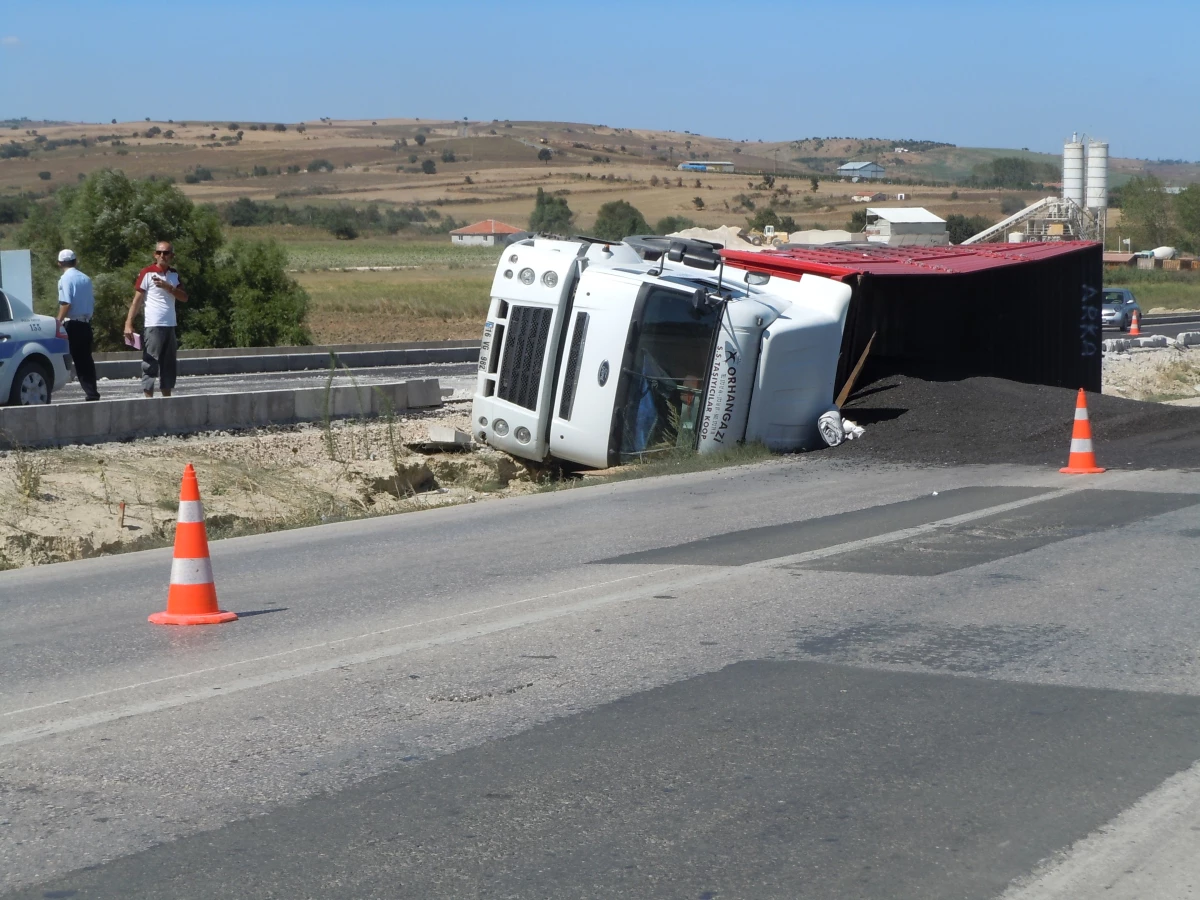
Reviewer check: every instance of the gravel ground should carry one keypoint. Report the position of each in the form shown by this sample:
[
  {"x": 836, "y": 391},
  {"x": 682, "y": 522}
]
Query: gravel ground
[{"x": 979, "y": 421}]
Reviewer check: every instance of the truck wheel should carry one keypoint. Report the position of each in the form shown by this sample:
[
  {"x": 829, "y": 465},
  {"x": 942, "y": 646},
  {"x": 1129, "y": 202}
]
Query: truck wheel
[{"x": 31, "y": 385}]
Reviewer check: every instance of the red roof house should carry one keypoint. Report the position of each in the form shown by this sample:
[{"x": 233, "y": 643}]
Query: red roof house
[{"x": 488, "y": 233}]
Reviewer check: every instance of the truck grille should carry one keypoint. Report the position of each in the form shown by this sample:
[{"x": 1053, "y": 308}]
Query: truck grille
[
  {"x": 574, "y": 359},
  {"x": 524, "y": 353}
]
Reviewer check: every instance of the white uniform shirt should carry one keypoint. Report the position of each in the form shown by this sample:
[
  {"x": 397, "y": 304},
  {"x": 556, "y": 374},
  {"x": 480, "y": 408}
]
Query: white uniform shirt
[{"x": 160, "y": 304}]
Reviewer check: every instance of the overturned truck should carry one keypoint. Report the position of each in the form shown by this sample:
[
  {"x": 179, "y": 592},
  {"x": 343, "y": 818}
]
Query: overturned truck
[{"x": 601, "y": 353}]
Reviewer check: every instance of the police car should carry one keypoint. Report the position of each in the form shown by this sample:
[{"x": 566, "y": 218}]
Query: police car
[{"x": 34, "y": 359}]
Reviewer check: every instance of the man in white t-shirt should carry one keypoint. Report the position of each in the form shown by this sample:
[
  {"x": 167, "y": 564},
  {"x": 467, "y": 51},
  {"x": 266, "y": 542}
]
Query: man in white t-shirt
[{"x": 157, "y": 288}]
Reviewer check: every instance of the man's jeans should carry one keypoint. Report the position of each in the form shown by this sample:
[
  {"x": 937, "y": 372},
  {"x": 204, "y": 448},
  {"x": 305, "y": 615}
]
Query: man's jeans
[{"x": 158, "y": 358}]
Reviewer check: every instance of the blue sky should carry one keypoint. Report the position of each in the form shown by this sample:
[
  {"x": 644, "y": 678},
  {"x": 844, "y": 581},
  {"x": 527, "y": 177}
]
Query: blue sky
[{"x": 998, "y": 74}]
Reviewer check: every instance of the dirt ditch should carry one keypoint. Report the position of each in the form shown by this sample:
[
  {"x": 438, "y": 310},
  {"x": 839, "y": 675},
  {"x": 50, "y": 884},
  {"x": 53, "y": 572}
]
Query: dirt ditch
[{"x": 81, "y": 501}]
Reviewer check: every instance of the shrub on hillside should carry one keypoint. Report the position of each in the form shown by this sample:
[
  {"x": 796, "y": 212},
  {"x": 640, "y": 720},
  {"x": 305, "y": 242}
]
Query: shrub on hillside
[{"x": 320, "y": 165}]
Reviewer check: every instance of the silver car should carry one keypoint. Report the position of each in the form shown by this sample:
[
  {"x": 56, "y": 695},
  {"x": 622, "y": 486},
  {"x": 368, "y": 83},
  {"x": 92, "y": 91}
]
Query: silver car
[{"x": 1119, "y": 307}]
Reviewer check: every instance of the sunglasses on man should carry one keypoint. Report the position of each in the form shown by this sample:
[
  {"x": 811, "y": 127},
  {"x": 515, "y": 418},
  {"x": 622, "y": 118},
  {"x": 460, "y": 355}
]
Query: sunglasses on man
[{"x": 164, "y": 252}]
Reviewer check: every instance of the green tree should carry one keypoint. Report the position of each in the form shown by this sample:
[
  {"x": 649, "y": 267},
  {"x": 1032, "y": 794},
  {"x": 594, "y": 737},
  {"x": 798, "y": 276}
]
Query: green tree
[
  {"x": 618, "y": 219},
  {"x": 1187, "y": 215},
  {"x": 858, "y": 221},
  {"x": 550, "y": 215},
  {"x": 429, "y": 167},
  {"x": 814, "y": 183},
  {"x": 698, "y": 202},
  {"x": 448, "y": 156},
  {"x": 45, "y": 176},
  {"x": 764, "y": 217},
  {"x": 420, "y": 139},
  {"x": 544, "y": 154},
  {"x": 320, "y": 165},
  {"x": 112, "y": 222},
  {"x": 1146, "y": 212}
]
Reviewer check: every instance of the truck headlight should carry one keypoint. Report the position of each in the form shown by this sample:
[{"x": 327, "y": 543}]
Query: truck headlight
[
  {"x": 550, "y": 279},
  {"x": 500, "y": 427},
  {"x": 522, "y": 434},
  {"x": 527, "y": 276},
  {"x": 483, "y": 421}
]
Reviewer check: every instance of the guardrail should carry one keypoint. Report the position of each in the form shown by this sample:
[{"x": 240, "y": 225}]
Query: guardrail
[
  {"x": 295, "y": 359},
  {"x": 117, "y": 420}
]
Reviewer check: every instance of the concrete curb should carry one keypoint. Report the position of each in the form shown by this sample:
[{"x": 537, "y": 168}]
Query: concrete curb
[
  {"x": 305, "y": 361},
  {"x": 1188, "y": 338},
  {"x": 119, "y": 420}
]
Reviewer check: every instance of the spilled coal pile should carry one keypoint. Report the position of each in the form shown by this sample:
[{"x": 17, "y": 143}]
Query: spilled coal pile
[{"x": 992, "y": 420}]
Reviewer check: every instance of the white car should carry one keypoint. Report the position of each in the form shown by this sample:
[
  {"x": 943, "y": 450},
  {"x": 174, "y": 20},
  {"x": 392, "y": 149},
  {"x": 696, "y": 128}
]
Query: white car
[{"x": 34, "y": 357}]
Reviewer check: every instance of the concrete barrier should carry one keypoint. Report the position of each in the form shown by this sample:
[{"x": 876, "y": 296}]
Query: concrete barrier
[
  {"x": 118, "y": 420},
  {"x": 1116, "y": 345},
  {"x": 306, "y": 361},
  {"x": 1188, "y": 338},
  {"x": 1153, "y": 340}
]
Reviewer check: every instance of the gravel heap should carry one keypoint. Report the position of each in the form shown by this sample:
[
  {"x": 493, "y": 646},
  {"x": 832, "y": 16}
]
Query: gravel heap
[{"x": 992, "y": 420}]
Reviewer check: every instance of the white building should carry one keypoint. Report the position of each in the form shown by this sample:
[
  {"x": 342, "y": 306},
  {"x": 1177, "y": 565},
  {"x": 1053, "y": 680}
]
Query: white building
[
  {"x": 488, "y": 233},
  {"x": 905, "y": 226}
]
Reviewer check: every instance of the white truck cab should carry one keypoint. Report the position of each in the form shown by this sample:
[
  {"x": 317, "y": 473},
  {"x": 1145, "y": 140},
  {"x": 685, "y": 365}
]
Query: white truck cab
[{"x": 601, "y": 353}]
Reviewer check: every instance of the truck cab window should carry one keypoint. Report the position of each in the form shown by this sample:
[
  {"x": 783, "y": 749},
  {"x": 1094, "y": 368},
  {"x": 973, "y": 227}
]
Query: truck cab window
[
  {"x": 664, "y": 373},
  {"x": 5, "y": 309}
]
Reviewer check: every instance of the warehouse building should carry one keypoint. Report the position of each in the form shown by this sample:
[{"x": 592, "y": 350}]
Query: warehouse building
[
  {"x": 860, "y": 171},
  {"x": 905, "y": 226}
]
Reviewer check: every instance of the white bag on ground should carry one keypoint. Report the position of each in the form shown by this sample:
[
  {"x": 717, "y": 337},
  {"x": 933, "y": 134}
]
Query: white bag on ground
[{"x": 831, "y": 427}]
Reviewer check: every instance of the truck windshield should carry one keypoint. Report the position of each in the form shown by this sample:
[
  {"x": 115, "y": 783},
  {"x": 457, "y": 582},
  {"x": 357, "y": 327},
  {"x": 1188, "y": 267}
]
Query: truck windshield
[{"x": 664, "y": 373}]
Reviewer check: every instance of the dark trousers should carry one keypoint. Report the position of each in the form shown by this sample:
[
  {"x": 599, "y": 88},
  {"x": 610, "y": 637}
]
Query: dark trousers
[
  {"x": 79, "y": 339},
  {"x": 158, "y": 358}
]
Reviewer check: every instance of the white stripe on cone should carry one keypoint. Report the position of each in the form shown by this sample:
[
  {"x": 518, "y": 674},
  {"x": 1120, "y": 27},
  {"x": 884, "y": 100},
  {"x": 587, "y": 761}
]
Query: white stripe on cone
[
  {"x": 1081, "y": 445},
  {"x": 1081, "y": 413},
  {"x": 190, "y": 511},
  {"x": 191, "y": 571}
]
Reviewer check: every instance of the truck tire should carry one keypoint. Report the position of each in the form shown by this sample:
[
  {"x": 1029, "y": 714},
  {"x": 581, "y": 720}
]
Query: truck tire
[{"x": 32, "y": 385}]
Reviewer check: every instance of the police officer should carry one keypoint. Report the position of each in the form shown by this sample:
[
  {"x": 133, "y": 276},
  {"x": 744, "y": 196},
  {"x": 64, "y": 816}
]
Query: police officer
[{"x": 76, "y": 305}]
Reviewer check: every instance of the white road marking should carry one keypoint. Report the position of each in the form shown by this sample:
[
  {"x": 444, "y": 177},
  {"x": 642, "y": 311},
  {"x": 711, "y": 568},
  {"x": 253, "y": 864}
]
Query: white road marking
[{"x": 1150, "y": 850}]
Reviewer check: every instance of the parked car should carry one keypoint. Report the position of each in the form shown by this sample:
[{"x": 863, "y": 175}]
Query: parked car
[
  {"x": 34, "y": 358},
  {"x": 1119, "y": 307}
]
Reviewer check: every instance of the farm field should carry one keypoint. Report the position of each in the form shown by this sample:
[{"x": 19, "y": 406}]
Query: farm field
[{"x": 429, "y": 304}]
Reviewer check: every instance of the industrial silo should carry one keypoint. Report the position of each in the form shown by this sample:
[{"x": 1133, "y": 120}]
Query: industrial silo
[
  {"x": 1073, "y": 172},
  {"x": 1097, "y": 175}
]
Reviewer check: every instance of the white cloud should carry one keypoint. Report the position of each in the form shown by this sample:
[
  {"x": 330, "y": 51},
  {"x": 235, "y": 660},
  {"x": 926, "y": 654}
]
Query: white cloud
[{"x": 10, "y": 41}]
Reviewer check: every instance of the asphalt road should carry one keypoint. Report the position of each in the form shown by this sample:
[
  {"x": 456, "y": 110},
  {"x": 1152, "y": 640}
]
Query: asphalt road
[
  {"x": 1168, "y": 324},
  {"x": 460, "y": 377},
  {"x": 809, "y": 678}
]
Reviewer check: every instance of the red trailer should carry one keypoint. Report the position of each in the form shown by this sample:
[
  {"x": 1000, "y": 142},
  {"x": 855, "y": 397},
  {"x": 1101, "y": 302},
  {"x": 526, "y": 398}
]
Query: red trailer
[{"x": 1027, "y": 312}]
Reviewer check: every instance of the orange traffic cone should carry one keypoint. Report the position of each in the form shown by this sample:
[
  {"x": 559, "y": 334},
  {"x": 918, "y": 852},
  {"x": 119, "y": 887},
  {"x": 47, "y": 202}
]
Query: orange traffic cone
[
  {"x": 1083, "y": 459},
  {"x": 1134, "y": 330},
  {"x": 192, "y": 597}
]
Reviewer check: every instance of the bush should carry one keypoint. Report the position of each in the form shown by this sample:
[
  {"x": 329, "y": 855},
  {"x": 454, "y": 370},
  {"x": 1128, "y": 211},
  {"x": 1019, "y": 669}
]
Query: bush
[
  {"x": 320, "y": 165},
  {"x": 619, "y": 219},
  {"x": 221, "y": 282},
  {"x": 279, "y": 127},
  {"x": 45, "y": 176},
  {"x": 545, "y": 154},
  {"x": 670, "y": 224},
  {"x": 1012, "y": 204},
  {"x": 429, "y": 167},
  {"x": 961, "y": 227},
  {"x": 698, "y": 202},
  {"x": 412, "y": 157},
  {"x": 447, "y": 156},
  {"x": 340, "y": 223},
  {"x": 420, "y": 139},
  {"x": 259, "y": 171}
]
